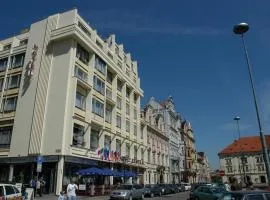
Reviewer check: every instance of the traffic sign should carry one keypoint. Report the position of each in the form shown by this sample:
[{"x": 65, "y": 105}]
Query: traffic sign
[
  {"x": 40, "y": 159},
  {"x": 39, "y": 167}
]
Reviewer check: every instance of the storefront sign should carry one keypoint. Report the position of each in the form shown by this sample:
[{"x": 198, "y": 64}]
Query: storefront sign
[{"x": 82, "y": 187}]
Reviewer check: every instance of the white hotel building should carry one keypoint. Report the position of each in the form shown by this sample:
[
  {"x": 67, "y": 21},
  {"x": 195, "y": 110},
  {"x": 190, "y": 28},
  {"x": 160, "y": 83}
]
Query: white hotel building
[{"x": 65, "y": 93}]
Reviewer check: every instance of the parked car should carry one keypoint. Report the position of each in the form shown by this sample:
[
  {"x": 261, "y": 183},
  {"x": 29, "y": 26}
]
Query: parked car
[
  {"x": 187, "y": 186},
  {"x": 181, "y": 187},
  {"x": 246, "y": 195},
  {"x": 8, "y": 191},
  {"x": 152, "y": 190},
  {"x": 173, "y": 188},
  {"x": 165, "y": 189},
  {"x": 207, "y": 193},
  {"x": 129, "y": 192}
]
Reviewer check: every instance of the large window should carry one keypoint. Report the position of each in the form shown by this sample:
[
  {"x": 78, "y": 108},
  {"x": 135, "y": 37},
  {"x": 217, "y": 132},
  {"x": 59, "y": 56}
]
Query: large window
[
  {"x": 82, "y": 54},
  {"x": 119, "y": 85},
  {"x": 10, "y": 104},
  {"x": 127, "y": 109},
  {"x": 108, "y": 113},
  {"x": 100, "y": 65},
  {"x": 94, "y": 139},
  {"x": 109, "y": 77},
  {"x": 99, "y": 85},
  {"x": 127, "y": 125},
  {"x": 78, "y": 134},
  {"x": 3, "y": 64},
  {"x": 5, "y": 136},
  {"x": 118, "y": 121},
  {"x": 17, "y": 60},
  {"x": 80, "y": 100},
  {"x": 119, "y": 102},
  {"x": 79, "y": 73},
  {"x": 107, "y": 142},
  {"x": 14, "y": 81},
  {"x": 97, "y": 107},
  {"x": 118, "y": 146},
  {"x": 127, "y": 150},
  {"x": 127, "y": 92}
]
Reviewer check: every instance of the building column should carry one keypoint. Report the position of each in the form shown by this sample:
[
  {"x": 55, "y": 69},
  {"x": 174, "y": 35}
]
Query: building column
[
  {"x": 60, "y": 170},
  {"x": 11, "y": 170}
]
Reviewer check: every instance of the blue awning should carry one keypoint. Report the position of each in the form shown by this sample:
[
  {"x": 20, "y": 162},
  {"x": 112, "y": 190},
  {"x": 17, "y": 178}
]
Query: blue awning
[{"x": 90, "y": 171}]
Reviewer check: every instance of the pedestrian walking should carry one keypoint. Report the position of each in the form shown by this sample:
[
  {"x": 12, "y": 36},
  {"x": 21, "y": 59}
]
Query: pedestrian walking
[
  {"x": 38, "y": 186},
  {"x": 33, "y": 186},
  {"x": 71, "y": 191},
  {"x": 61, "y": 196}
]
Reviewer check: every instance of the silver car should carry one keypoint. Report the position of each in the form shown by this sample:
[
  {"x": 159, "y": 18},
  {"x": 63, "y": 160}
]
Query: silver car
[{"x": 128, "y": 192}]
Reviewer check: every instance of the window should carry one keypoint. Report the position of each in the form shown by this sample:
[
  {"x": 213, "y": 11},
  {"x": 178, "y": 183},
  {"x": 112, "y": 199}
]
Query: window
[
  {"x": 127, "y": 109},
  {"x": 109, "y": 77},
  {"x": 229, "y": 169},
  {"x": 108, "y": 93},
  {"x": 119, "y": 102},
  {"x": 23, "y": 42},
  {"x": 259, "y": 159},
  {"x": 118, "y": 121},
  {"x": 127, "y": 92},
  {"x": 127, "y": 150},
  {"x": 119, "y": 85},
  {"x": 255, "y": 197},
  {"x": 80, "y": 100},
  {"x": 14, "y": 81},
  {"x": 79, "y": 73},
  {"x": 78, "y": 134},
  {"x": 228, "y": 161},
  {"x": 149, "y": 156},
  {"x": 100, "y": 65},
  {"x": 127, "y": 126},
  {"x": 2, "y": 191},
  {"x": 3, "y": 64},
  {"x": 135, "y": 152},
  {"x": 82, "y": 54},
  {"x": 107, "y": 142},
  {"x": 244, "y": 160},
  {"x": 135, "y": 113},
  {"x": 17, "y": 60},
  {"x": 118, "y": 146},
  {"x": 16, "y": 190},
  {"x": 7, "y": 47},
  {"x": 10, "y": 104},
  {"x": 9, "y": 190},
  {"x": 260, "y": 167},
  {"x": 97, "y": 107},
  {"x": 94, "y": 140},
  {"x": 135, "y": 98},
  {"x": 246, "y": 168},
  {"x": 5, "y": 136},
  {"x": 99, "y": 85},
  {"x": 135, "y": 129},
  {"x": 142, "y": 154},
  {"x": 108, "y": 113}
]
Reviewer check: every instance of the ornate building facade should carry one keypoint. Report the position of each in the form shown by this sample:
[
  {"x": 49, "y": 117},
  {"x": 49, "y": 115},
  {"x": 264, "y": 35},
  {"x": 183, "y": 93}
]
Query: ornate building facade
[{"x": 157, "y": 161}]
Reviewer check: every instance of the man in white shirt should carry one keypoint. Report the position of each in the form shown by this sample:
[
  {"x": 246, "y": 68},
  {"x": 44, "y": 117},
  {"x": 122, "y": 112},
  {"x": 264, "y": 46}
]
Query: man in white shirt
[{"x": 71, "y": 191}]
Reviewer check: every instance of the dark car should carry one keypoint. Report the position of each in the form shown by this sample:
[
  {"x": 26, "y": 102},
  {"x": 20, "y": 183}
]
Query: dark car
[
  {"x": 164, "y": 189},
  {"x": 152, "y": 190},
  {"x": 207, "y": 193},
  {"x": 246, "y": 195},
  {"x": 181, "y": 187},
  {"x": 173, "y": 188}
]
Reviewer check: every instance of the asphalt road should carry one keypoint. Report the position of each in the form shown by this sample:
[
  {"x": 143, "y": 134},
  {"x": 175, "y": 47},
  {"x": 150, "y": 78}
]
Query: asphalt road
[{"x": 178, "y": 196}]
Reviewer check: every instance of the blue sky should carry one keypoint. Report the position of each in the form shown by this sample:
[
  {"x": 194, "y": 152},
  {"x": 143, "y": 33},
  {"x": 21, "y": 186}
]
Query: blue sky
[{"x": 185, "y": 49}]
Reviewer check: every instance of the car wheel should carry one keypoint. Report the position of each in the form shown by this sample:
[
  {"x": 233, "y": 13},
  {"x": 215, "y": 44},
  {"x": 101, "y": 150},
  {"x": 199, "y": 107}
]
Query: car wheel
[
  {"x": 142, "y": 197},
  {"x": 152, "y": 195},
  {"x": 130, "y": 197}
]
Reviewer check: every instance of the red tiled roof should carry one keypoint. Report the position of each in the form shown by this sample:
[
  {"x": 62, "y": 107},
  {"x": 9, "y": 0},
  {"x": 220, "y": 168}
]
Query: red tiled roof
[{"x": 245, "y": 144}]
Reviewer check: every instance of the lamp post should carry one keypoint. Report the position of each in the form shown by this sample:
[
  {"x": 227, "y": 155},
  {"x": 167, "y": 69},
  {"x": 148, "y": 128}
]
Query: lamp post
[
  {"x": 240, "y": 29},
  {"x": 237, "y": 118}
]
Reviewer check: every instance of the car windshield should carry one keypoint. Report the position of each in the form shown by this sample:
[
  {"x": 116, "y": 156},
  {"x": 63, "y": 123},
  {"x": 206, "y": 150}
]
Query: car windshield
[{"x": 125, "y": 187}]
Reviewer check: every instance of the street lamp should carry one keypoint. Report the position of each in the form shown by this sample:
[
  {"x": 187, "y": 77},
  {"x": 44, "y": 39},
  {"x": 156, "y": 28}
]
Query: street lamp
[
  {"x": 240, "y": 29},
  {"x": 237, "y": 118}
]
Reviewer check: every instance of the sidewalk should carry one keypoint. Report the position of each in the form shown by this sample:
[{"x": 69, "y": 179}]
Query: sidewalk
[{"x": 54, "y": 197}]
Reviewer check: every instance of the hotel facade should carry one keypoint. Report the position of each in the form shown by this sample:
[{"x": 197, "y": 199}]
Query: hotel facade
[{"x": 71, "y": 99}]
